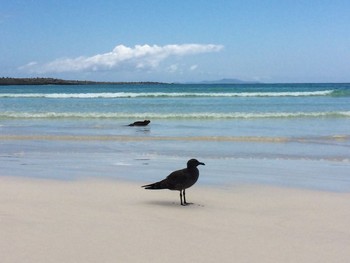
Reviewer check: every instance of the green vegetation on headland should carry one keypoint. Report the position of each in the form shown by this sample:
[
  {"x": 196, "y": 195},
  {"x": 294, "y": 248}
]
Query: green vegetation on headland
[{"x": 53, "y": 81}]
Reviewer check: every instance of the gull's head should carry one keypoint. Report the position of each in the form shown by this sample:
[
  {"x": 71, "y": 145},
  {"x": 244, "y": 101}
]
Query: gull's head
[{"x": 194, "y": 163}]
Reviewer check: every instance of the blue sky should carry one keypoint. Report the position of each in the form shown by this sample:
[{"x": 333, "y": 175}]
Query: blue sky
[{"x": 176, "y": 41}]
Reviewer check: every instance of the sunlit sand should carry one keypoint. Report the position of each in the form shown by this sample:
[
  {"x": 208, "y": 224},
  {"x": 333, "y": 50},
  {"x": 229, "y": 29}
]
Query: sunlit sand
[{"x": 113, "y": 221}]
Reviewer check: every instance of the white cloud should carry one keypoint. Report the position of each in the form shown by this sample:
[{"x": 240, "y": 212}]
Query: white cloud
[
  {"x": 193, "y": 67},
  {"x": 138, "y": 57},
  {"x": 173, "y": 68}
]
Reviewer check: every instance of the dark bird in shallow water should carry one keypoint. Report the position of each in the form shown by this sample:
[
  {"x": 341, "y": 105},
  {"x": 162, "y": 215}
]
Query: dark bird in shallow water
[
  {"x": 179, "y": 180},
  {"x": 140, "y": 123}
]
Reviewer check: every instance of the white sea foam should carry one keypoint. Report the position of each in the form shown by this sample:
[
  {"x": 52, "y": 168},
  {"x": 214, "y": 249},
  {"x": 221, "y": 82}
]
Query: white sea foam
[
  {"x": 198, "y": 115},
  {"x": 165, "y": 94}
]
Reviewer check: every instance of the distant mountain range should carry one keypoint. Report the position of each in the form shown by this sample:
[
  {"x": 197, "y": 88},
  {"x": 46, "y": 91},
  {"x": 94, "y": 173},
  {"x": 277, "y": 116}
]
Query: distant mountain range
[{"x": 228, "y": 81}]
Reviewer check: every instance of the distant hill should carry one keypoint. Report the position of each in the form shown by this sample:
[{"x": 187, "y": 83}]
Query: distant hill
[
  {"x": 228, "y": 81},
  {"x": 53, "y": 81}
]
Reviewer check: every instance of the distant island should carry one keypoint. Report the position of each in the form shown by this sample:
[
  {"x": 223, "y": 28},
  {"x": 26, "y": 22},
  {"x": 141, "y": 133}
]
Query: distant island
[
  {"x": 222, "y": 81},
  {"x": 229, "y": 81},
  {"x": 52, "y": 81}
]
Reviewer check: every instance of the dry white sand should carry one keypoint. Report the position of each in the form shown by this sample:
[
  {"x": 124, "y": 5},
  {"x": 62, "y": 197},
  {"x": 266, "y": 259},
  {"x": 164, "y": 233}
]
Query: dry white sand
[{"x": 111, "y": 221}]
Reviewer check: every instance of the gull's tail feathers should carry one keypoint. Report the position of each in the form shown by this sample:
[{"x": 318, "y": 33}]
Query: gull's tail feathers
[{"x": 154, "y": 186}]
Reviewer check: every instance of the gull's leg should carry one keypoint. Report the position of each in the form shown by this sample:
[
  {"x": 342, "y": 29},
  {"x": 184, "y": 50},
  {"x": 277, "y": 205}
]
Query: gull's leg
[{"x": 181, "y": 197}]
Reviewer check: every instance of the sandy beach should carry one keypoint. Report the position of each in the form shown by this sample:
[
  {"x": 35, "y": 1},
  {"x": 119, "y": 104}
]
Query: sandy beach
[{"x": 113, "y": 221}]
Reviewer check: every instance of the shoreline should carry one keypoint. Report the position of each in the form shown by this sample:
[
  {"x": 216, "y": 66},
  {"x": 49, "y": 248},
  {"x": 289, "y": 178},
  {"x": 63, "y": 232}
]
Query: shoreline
[{"x": 104, "y": 220}]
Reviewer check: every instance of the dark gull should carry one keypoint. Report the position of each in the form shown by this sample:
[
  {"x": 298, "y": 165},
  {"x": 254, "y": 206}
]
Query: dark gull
[
  {"x": 179, "y": 180},
  {"x": 140, "y": 123}
]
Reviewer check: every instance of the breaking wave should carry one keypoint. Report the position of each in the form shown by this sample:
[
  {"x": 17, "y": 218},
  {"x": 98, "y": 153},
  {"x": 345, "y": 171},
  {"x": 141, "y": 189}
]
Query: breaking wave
[
  {"x": 112, "y": 95},
  {"x": 195, "y": 115}
]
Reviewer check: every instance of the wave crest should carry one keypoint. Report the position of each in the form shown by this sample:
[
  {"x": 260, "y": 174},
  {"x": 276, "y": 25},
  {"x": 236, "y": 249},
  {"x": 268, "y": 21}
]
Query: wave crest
[
  {"x": 112, "y": 95},
  {"x": 149, "y": 115}
]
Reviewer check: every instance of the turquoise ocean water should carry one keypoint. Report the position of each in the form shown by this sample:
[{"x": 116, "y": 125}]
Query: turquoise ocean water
[{"x": 295, "y": 135}]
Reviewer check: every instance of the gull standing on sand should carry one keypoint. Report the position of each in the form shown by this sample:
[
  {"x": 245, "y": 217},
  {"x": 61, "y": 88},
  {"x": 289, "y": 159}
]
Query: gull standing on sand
[{"x": 179, "y": 180}]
